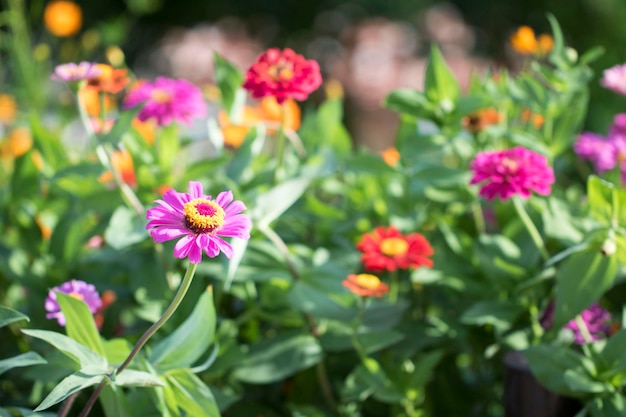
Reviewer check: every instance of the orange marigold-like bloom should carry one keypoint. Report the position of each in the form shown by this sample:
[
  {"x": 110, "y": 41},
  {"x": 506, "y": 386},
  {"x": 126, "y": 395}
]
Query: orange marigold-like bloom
[
  {"x": 282, "y": 74},
  {"x": 528, "y": 116},
  {"x": 366, "y": 285},
  {"x": 8, "y": 109},
  {"x": 391, "y": 156},
  {"x": 271, "y": 111},
  {"x": 386, "y": 249},
  {"x": 478, "y": 121},
  {"x": 19, "y": 142},
  {"x": 90, "y": 98},
  {"x": 235, "y": 134},
  {"x": 63, "y": 18},
  {"x": 111, "y": 80},
  {"x": 146, "y": 129},
  {"x": 122, "y": 162},
  {"x": 524, "y": 42}
]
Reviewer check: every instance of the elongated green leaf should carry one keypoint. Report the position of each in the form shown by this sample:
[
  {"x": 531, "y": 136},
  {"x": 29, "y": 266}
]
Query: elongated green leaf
[
  {"x": 25, "y": 359},
  {"x": 274, "y": 359},
  {"x": 73, "y": 383},
  {"x": 191, "y": 394},
  {"x": 81, "y": 354},
  {"x": 8, "y": 316},
  {"x": 271, "y": 205},
  {"x": 168, "y": 145},
  {"x": 607, "y": 203},
  {"x": 114, "y": 402},
  {"x": 308, "y": 299},
  {"x": 614, "y": 354},
  {"x": 613, "y": 405},
  {"x": 580, "y": 281},
  {"x": 410, "y": 102},
  {"x": 189, "y": 341},
  {"x": 80, "y": 324},
  {"x": 228, "y": 78},
  {"x": 133, "y": 378},
  {"x": 500, "y": 314},
  {"x": 440, "y": 84}
]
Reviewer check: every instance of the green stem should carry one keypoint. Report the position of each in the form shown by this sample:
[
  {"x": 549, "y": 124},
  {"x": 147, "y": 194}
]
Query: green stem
[
  {"x": 178, "y": 298},
  {"x": 394, "y": 287},
  {"x": 530, "y": 226},
  {"x": 582, "y": 327},
  {"x": 280, "y": 147},
  {"x": 535, "y": 326},
  {"x": 358, "y": 347},
  {"x": 479, "y": 218}
]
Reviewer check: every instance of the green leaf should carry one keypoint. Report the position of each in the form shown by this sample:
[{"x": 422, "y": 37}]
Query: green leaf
[
  {"x": 440, "y": 85},
  {"x": 116, "y": 350},
  {"x": 614, "y": 353},
  {"x": 87, "y": 359},
  {"x": 331, "y": 129},
  {"x": 557, "y": 55},
  {"x": 190, "y": 340},
  {"x": 607, "y": 203},
  {"x": 274, "y": 359},
  {"x": 228, "y": 78},
  {"x": 133, "y": 378},
  {"x": 191, "y": 394},
  {"x": 410, "y": 102},
  {"x": 114, "y": 402},
  {"x": 125, "y": 228},
  {"x": 500, "y": 314},
  {"x": 121, "y": 126},
  {"x": 19, "y": 361},
  {"x": 8, "y": 316},
  {"x": 423, "y": 370},
  {"x": 580, "y": 281},
  {"x": 550, "y": 363},
  {"x": 80, "y": 324},
  {"x": 269, "y": 206},
  {"x": 613, "y": 405},
  {"x": 305, "y": 298},
  {"x": 73, "y": 383}
]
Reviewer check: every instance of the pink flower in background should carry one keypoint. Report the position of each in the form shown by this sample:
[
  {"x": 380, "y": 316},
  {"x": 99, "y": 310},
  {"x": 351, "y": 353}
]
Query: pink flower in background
[
  {"x": 619, "y": 125},
  {"x": 75, "y": 72},
  {"x": 597, "y": 149},
  {"x": 614, "y": 79},
  {"x": 516, "y": 171},
  {"x": 167, "y": 100},
  {"x": 77, "y": 289},
  {"x": 282, "y": 74},
  {"x": 199, "y": 221},
  {"x": 596, "y": 319}
]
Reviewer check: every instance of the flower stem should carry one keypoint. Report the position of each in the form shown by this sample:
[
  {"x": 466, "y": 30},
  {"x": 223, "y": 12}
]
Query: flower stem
[
  {"x": 67, "y": 405},
  {"x": 479, "y": 218},
  {"x": 582, "y": 326},
  {"x": 178, "y": 298},
  {"x": 532, "y": 229},
  {"x": 394, "y": 287},
  {"x": 280, "y": 147}
]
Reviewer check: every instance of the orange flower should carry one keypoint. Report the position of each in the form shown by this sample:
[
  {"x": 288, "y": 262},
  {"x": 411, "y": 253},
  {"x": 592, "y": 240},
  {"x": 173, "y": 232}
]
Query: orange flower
[
  {"x": 162, "y": 189},
  {"x": 271, "y": 111},
  {"x": 108, "y": 298},
  {"x": 111, "y": 80},
  {"x": 391, "y": 156},
  {"x": 122, "y": 162},
  {"x": 524, "y": 42},
  {"x": 234, "y": 135},
  {"x": 90, "y": 99},
  {"x": 528, "y": 116},
  {"x": 479, "y": 120},
  {"x": 8, "y": 109},
  {"x": 46, "y": 230},
  {"x": 37, "y": 159},
  {"x": 19, "y": 142},
  {"x": 63, "y": 18},
  {"x": 366, "y": 285},
  {"x": 146, "y": 129}
]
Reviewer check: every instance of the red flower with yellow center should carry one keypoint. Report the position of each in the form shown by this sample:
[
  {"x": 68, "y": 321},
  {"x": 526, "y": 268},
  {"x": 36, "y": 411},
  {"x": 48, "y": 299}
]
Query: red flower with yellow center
[
  {"x": 386, "y": 249},
  {"x": 366, "y": 285}
]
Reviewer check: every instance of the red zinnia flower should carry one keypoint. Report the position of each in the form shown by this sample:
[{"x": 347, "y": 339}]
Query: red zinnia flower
[
  {"x": 283, "y": 74},
  {"x": 366, "y": 285},
  {"x": 388, "y": 249}
]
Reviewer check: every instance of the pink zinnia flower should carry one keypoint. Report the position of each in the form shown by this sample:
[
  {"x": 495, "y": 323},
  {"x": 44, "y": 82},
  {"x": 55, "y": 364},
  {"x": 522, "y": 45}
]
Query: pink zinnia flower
[
  {"x": 596, "y": 319},
  {"x": 619, "y": 125},
  {"x": 77, "y": 289},
  {"x": 614, "y": 79},
  {"x": 199, "y": 221},
  {"x": 517, "y": 171},
  {"x": 282, "y": 74},
  {"x": 75, "y": 72},
  {"x": 597, "y": 149},
  {"x": 167, "y": 100}
]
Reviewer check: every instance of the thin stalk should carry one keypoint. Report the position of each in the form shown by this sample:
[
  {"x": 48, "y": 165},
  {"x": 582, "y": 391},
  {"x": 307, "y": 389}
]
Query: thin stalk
[
  {"x": 530, "y": 226},
  {"x": 479, "y": 218},
  {"x": 394, "y": 287},
  {"x": 178, "y": 298},
  {"x": 67, "y": 405},
  {"x": 582, "y": 326},
  {"x": 280, "y": 147}
]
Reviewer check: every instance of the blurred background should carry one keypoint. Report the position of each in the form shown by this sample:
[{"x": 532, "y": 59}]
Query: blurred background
[{"x": 366, "y": 48}]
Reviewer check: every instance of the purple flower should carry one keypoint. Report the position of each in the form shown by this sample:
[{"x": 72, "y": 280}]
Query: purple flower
[
  {"x": 167, "y": 100},
  {"x": 73, "y": 72},
  {"x": 614, "y": 79},
  {"x": 597, "y": 149},
  {"x": 619, "y": 125},
  {"x": 200, "y": 221},
  {"x": 596, "y": 319},
  {"x": 516, "y": 171},
  {"x": 77, "y": 289}
]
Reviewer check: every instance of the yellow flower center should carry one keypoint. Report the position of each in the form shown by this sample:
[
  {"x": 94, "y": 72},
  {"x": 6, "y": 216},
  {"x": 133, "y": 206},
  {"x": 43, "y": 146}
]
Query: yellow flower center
[
  {"x": 509, "y": 164},
  {"x": 161, "y": 96},
  {"x": 393, "y": 246},
  {"x": 203, "y": 216},
  {"x": 367, "y": 281},
  {"x": 76, "y": 295},
  {"x": 281, "y": 72}
]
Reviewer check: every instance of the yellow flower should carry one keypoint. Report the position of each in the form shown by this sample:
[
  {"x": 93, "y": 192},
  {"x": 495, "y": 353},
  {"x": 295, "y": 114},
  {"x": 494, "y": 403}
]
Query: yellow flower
[
  {"x": 19, "y": 142},
  {"x": 63, "y": 18}
]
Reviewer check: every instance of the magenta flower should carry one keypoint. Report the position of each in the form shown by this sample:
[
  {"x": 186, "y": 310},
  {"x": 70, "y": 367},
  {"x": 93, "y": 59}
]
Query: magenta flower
[
  {"x": 167, "y": 100},
  {"x": 619, "y": 125},
  {"x": 614, "y": 79},
  {"x": 199, "y": 221},
  {"x": 596, "y": 319},
  {"x": 597, "y": 149},
  {"x": 517, "y": 171},
  {"x": 77, "y": 289},
  {"x": 283, "y": 74},
  {"x": 75, "y": 72}
]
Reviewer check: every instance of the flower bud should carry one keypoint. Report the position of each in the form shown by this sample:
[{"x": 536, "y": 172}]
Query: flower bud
[{"x": 609, "y": 247}]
